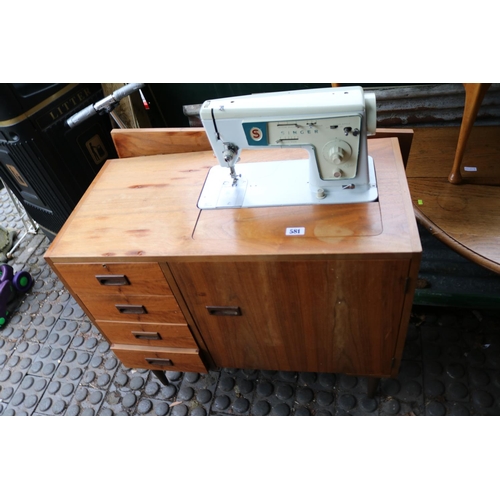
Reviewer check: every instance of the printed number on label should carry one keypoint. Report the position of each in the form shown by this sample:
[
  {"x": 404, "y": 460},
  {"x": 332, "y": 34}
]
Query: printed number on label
[{"x": 295, "y": 231}]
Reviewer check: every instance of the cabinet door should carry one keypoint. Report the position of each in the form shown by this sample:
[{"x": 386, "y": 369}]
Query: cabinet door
[{"x": 323, "y": 316}]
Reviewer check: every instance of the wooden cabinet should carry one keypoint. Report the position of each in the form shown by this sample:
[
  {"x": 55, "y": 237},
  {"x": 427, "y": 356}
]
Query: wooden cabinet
[
  {"x": 134, "y": 308},
  {"x": 176, "y": 288}
]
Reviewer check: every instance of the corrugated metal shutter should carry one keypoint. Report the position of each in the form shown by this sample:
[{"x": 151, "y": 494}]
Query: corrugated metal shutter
[{"x": 431, "y": 105}]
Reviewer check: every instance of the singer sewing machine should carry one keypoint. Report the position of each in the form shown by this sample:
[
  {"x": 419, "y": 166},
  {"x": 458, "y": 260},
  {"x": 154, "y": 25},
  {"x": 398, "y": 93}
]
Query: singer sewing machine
[{"x": 332, "y": 124}]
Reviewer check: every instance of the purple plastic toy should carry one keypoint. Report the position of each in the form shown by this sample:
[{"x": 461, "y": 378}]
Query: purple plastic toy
[{"x": 12, "y": 285}]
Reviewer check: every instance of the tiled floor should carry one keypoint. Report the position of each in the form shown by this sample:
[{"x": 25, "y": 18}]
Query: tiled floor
[{"x": 54, "y": 362}]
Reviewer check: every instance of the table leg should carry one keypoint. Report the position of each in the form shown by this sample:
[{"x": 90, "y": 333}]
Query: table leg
[
  {"x": 160, "y": 375},
  {"x": 474, "y": 94},
  {"x": 372, "y": 383}
]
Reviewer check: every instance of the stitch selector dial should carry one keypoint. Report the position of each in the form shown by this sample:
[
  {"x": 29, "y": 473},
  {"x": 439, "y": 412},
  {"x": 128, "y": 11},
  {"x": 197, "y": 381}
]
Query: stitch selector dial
[{"x": 337, "y": 152}]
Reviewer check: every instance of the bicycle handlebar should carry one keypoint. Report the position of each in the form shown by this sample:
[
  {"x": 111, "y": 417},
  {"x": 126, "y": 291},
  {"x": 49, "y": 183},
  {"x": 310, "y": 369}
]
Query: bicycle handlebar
[{"x": 106, "y": 104}]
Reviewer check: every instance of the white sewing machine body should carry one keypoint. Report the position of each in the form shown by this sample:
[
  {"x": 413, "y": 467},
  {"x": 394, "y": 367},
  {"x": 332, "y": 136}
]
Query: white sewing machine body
[{"x": 332, "y": 124}]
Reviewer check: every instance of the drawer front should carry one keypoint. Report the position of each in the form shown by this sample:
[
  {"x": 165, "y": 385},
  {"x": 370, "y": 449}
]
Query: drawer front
[
  {"x": 181, "y": 360},
  {"x": 127, "y": 279},
  {"x": 148, "y": 334},
  {"x": 134, "y": 308}
]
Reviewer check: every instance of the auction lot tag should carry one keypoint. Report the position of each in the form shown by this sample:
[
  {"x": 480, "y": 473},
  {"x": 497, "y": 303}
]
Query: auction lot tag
[{"x": 295, "y": 231}]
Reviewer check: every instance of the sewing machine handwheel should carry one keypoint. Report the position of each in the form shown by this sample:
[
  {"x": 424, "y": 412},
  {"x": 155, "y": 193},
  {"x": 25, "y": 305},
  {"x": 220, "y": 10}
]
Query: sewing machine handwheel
[
  {"x": 6, "y": 272},
  {"x": 22, "y": 281}
]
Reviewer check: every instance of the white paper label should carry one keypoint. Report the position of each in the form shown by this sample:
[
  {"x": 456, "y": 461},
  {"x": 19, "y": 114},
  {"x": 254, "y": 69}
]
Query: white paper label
[
  {"x": 470, "y": 169},
  {"x": 295, "y": 231}
]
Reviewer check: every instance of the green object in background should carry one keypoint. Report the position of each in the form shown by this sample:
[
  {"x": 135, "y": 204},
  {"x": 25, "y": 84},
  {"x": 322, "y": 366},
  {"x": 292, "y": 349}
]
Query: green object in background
[{"x": 7, "y": 237}]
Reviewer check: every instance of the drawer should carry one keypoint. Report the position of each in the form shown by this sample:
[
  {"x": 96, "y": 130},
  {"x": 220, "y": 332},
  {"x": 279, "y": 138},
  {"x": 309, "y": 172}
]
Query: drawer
[
  {"x": 160, "y": 358},
  {"x": 134, "y": 308},
  {"x": 149, "y": 334},
  {"x": 128, "y": 279}
]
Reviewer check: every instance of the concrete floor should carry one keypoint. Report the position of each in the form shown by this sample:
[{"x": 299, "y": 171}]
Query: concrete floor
[{"x": 53, "y": 361}]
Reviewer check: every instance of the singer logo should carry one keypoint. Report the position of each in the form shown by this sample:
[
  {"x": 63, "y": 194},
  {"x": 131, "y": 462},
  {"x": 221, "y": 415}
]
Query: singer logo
[{"x": 256, "y": 133}]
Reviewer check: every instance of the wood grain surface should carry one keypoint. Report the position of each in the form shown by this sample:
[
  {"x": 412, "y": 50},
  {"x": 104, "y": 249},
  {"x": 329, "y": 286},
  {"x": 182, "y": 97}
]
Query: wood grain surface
[
  {"x": 143, "y": 278},
  {"x": 157, "y": 141},
  {"x": 465, "y": 216},
  {"x": 336, "y": 301},
  {"x": 433, "y": 152},
  {"x": 158, "y": 308},
  {"x": 326, "y": 316},
  {"x": 168, "y": 335},
  {"x": 144, "y": 209},
  {"x": 318, "y": 221},
  {"x": 184, "y": 360}
]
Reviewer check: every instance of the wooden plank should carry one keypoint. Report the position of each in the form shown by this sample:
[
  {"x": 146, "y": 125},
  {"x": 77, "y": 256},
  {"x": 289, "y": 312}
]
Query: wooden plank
[{"x": 158, "y": 141}]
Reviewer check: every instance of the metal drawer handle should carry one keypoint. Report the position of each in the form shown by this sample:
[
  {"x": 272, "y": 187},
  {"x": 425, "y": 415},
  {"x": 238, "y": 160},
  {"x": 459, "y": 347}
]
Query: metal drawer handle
[
  {"x": 223, "y": 311},
  {"x": 147, "y": 335},
  {"x": 159, "y": 361},
  {"x": 112, "y": 279},
  {"x": 128, "y": 309}
]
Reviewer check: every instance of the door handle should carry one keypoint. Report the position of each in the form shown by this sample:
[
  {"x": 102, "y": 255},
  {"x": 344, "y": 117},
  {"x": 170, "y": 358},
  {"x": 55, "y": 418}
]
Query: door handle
[
  {"x": 159, "y": 361},
  {"x": 112, "y": 279},
  {"x": 224, "y": 310},
  {"x": 147, "y": 335},
  {"x": 130, "y": 309}
]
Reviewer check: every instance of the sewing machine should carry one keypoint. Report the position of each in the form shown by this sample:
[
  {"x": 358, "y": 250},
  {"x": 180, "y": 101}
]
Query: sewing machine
[{"x": 332, "y": 124}]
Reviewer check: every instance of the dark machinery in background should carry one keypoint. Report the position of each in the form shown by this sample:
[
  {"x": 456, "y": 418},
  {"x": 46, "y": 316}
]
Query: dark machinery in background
[
  {"x": 48, "y": 161},
  {"x": 46, "y": 164},
  {"x": 48, "y": 158}
]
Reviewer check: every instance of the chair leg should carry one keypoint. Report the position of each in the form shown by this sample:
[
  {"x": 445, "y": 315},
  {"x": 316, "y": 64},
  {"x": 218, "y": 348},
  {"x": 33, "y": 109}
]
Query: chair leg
[{"x": 474, "y": 95}]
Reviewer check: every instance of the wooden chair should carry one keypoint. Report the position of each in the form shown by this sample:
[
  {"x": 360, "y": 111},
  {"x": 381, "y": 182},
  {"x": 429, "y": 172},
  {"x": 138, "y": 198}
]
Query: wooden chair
[{"x": 474, "y": 95}]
